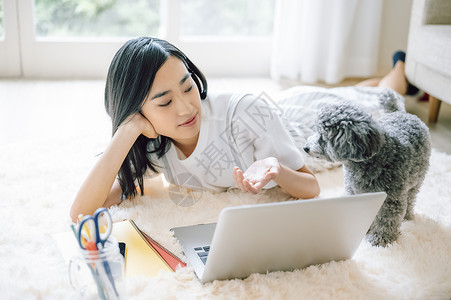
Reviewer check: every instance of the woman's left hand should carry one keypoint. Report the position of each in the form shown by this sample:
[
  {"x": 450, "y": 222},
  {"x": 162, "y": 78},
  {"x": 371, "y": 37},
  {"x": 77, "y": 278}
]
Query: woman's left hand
[{"x": 257, "y": 175}]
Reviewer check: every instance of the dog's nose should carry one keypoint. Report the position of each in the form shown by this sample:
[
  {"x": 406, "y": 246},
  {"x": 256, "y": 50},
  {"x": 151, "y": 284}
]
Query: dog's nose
[{"x": 306, "y": 149}]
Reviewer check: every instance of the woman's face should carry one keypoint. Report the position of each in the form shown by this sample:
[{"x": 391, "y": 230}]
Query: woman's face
[{"x": 173, "y": 103}]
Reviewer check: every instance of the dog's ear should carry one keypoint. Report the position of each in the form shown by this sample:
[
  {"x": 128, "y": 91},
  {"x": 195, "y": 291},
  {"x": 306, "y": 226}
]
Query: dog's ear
[
  {"x": 351, "y": 133},
  {"x": 359, "y": 140}
]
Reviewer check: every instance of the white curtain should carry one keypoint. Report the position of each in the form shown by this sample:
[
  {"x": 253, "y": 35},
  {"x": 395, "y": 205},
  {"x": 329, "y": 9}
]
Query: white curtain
[{"x": 326, "y": 40}]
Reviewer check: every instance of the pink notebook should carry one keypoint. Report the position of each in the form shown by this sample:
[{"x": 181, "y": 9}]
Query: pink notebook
[{"x": 173, "y": 261}]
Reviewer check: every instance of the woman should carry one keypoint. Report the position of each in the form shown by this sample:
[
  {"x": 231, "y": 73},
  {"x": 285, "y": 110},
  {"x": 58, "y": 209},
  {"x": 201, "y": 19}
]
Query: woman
[{"x": 164, "y": 121}]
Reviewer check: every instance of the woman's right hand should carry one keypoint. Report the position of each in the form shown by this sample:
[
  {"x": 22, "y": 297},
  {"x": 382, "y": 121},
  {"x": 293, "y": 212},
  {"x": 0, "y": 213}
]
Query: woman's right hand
[
  {"x": 97, "y": 188},
  {"x": 141, "y": 124}
]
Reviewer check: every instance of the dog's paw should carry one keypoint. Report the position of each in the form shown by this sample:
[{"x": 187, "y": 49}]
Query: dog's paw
[
  {"x": 409, "y": 217},
  {"x": 377, "y": 240}
]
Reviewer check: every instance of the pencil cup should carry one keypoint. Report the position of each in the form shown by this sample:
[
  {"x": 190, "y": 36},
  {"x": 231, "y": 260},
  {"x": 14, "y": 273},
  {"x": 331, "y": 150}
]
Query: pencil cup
[{"x": 98, "y": 274}]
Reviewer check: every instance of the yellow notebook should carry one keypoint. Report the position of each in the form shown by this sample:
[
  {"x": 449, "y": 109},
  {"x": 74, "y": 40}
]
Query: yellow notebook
[{"x": 140, "y": 259}]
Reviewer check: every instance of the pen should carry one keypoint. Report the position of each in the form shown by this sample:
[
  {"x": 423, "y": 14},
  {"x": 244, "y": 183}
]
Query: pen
[
  {"x": 93, "y": 273},
  {"x": 105, "y": 277}
]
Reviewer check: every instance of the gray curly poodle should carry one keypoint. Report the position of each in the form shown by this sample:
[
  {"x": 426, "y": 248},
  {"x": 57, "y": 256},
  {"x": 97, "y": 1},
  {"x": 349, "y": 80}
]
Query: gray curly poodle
[{"x": 390, "y": 154}]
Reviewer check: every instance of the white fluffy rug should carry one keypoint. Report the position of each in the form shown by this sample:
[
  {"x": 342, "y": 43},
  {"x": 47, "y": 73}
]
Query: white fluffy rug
[
  {"x": 39, "y": 180},
  {"x": 40, "y": 175}
]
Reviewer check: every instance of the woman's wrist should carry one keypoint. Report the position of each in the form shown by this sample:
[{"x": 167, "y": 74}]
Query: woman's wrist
[
  {"x": 130, "y": 129},
  {"x": 137, "y": 124},
  {"x": 280, "y": 174}
]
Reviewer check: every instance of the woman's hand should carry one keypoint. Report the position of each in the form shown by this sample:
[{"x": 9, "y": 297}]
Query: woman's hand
[
  {"x": 97, "y": 190},
  {"x": 141, "y": 124},
  {"x": 257, "y": 175}
]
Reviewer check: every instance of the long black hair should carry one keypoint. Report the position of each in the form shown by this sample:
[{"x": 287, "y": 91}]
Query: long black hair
[{"x": 130, "y": 77}]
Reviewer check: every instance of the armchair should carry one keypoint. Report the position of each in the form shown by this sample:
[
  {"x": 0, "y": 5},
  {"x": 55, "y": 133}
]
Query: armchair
[{"x": 428, "y": 55}]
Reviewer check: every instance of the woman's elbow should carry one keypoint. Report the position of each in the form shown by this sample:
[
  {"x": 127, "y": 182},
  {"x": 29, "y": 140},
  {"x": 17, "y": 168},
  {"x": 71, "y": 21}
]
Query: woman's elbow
[
  {"x": 74, "y": 213},
  {"x": 311, "y": 192},
  {"x": 316, "y": 190}
]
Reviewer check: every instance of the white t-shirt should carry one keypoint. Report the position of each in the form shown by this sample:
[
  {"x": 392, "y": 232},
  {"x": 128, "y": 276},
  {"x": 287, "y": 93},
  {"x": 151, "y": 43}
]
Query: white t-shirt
[{"x": 257, "y": 130}]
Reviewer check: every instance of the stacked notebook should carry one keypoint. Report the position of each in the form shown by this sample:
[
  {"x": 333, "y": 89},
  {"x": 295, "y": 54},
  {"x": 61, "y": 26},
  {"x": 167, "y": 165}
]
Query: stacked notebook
[{"x": 143, "y": 255}]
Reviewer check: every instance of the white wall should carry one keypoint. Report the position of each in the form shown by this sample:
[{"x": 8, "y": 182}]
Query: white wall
[{"x": 394, "y": 31}]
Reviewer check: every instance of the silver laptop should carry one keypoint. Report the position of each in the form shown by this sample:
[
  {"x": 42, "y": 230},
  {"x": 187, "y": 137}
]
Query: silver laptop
[{"x": 278, "y": 236}]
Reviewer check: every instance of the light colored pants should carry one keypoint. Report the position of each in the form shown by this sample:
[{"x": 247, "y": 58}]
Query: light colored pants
[{"x": 300, "y": 107}]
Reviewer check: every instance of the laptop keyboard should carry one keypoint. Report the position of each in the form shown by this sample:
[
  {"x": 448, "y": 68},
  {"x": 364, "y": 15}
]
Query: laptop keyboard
[{"x": 202, "y": 252}]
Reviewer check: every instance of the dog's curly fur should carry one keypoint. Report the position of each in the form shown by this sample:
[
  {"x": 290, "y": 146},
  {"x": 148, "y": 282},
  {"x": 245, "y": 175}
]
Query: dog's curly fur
[{"x": 390, "y": 155}]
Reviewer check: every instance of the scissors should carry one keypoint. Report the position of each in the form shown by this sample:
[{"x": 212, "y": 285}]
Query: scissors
[
  {"x": 93, "y": 232},
  {"x": 96, "y": 228}
]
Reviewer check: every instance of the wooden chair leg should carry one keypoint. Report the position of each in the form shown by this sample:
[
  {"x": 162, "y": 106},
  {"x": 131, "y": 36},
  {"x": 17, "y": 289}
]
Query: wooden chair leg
[{"x": 434, "y": 107}]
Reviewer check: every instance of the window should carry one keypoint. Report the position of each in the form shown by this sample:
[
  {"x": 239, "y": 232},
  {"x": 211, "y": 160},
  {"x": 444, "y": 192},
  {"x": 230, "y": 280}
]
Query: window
[
  {"x": 10, "y": 65},
  {"x": 1, "y": 20},
  {"x": 227, "y": 18},
  {"x": 78, "y": 38},
  {"x": 96, "y": 18}
]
